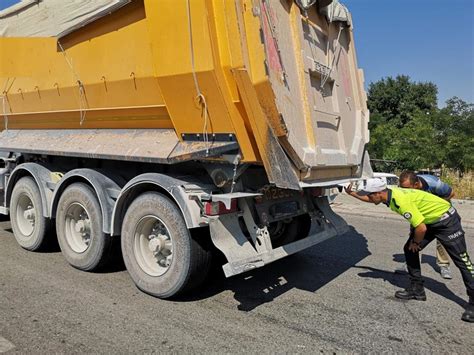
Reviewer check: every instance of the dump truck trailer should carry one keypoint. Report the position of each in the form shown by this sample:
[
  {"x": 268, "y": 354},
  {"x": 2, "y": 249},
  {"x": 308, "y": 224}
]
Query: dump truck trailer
[{"x": 171, "y": 128}]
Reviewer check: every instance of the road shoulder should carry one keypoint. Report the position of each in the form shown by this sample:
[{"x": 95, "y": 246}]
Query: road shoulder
[{"x": 348, "y": 205}]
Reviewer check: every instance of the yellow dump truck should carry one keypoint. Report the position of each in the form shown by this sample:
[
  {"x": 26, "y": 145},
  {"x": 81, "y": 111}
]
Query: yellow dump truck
[{"x": 173, "y": 127}]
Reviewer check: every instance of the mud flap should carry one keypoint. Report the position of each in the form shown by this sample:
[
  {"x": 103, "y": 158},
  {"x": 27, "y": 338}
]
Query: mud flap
[{"x": 243, "y": 254}]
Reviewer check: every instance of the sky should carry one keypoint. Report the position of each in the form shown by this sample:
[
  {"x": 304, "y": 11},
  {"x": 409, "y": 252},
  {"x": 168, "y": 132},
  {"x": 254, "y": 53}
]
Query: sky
[
  {"x": 428, "y": 40},
  {"x": 6, "y": 3}
]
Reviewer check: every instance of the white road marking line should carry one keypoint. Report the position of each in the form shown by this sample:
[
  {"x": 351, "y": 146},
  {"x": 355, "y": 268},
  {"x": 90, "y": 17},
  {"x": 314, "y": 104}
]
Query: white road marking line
[{"x": 5, "y": 345}]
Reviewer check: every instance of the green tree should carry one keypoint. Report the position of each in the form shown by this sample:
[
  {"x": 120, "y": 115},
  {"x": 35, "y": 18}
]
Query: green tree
[
  {"x": 396, "y": 100},
  {"x": 407, "y": 126},
  {"x": 400, "y": 109},
  {"x": 458, "y": 134}
]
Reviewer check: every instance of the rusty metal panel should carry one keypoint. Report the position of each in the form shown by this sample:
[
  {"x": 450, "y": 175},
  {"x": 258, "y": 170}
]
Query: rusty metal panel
[{"x": 144, "y": 145}]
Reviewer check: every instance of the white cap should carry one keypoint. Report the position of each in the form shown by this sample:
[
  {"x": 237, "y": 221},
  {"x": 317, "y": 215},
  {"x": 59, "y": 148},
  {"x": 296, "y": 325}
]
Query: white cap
[{"x": 372, "y": 185}]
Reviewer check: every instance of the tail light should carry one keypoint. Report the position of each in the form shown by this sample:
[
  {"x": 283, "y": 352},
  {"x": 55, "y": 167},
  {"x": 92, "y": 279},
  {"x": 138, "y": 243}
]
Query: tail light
[{"x": 218, "y": 208}]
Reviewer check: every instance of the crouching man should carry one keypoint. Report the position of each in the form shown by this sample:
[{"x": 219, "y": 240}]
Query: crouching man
[{"x": 431, "y": 218}]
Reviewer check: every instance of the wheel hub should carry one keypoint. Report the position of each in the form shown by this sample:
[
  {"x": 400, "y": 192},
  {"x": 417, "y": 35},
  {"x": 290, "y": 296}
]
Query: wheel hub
[
  {"x": 83, "y": 226},
  {"x": 153, "y": 246},
  {"x": 29, "y": 214},
  {"x": 78, "y": 228},
  {"x": 26, "y": 215}
]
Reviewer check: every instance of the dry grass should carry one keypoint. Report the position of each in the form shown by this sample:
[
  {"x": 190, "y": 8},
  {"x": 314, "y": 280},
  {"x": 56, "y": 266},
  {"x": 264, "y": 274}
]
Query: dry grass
[{"x": 463, "y": 186}]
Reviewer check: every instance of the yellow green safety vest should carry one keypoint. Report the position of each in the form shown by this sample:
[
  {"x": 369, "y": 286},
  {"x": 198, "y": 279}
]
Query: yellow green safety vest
[{"x": 417, "y": 206}]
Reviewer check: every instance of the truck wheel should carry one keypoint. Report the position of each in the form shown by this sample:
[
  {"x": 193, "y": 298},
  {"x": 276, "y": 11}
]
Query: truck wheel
[
  {"x": 29, "y": 225},
  {"x": 161, "y": 256},
  {"x": 285, "y": 232},
  {"x": 79, "y": 228}
]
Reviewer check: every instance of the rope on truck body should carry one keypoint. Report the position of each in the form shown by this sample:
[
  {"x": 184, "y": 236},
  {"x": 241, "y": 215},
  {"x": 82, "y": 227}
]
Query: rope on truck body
[
  {"x": 331, "y": 67},
  {"x": 238, "y": 157},
  {"x": 325, "y": 77},
  {"x": 82, "y": 92},
  {"x": 200, "y": 96},
  {"x": 5, "y": 115},
  {"x": 5, "y": 103}
]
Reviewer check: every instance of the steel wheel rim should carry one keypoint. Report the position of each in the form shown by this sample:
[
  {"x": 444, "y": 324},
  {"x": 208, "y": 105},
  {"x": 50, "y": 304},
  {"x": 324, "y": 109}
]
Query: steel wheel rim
[
  {"x": 25, "y": 215},
  {"x": 78, "y": 228},
  {"x": 152, "y": 246}
]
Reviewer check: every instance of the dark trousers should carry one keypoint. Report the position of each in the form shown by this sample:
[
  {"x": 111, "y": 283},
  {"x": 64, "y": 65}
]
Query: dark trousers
[{"x": 450, "y": 234}]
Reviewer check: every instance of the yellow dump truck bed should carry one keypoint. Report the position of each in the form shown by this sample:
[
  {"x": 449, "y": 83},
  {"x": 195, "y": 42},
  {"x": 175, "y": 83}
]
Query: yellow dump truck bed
[{"x": 278, "y": 79}]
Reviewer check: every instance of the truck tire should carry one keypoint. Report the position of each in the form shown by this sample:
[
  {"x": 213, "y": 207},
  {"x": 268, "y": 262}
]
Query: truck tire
[
  {"x": 285, "y": 232},
  {"x": 79, "y": 228},
  {"x": 160, "y": 254},
  {"x": 30, "y": 227}
]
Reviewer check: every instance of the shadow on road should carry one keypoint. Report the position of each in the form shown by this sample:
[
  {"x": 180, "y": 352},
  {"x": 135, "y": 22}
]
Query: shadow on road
[
  {"x": 116, "y": 263},
  {"x": 309, "y": 270},
  {"x": 425, "y": 259},
  {"x": 401, "y": 281}
]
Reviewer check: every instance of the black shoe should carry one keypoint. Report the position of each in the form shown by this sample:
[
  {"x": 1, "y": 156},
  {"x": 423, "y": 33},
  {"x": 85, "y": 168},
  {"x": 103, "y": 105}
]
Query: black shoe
[
  {"x": 468, "y": 315},
  {"x": 412, "y": 293}
]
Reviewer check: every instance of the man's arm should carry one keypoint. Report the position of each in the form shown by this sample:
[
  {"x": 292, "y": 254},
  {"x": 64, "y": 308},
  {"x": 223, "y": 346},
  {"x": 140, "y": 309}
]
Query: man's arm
[
  {"x": 418, "y": 236},
  {"x": 413, "y": 215},
  {"x": 352, "y": 193},
  {"x": 443, "y": 190},
  {"x": 451, "y": 195}
]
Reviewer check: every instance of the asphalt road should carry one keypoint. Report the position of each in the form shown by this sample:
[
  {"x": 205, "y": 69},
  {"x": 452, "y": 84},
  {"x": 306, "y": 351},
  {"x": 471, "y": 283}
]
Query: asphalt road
[{"x": 334, "y": 297}]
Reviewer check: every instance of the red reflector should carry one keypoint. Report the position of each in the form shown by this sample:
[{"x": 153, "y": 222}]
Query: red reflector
[{"x": 218, "y": 208}]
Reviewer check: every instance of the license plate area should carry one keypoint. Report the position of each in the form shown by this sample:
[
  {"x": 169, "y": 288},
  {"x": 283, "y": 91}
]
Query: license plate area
[
  {"x": 284, "y": 209},
  {"x": 278, "y": 204}
]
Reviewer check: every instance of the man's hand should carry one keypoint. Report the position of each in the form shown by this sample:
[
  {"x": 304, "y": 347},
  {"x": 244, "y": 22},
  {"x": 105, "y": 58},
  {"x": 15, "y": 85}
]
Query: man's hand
[
  {"x": 352, "y": 193},
  {"x": 348, "y": 189},
  {"x": 414, "y": 247},
  {"x": 418, "y": 236}
]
